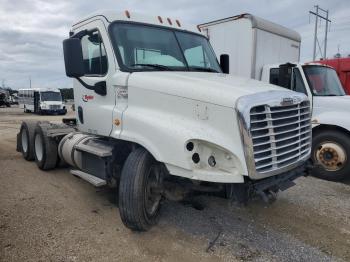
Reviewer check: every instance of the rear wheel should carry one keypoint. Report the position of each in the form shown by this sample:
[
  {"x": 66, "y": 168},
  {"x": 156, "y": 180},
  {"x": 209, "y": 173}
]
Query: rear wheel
[
  {"x": 45, "y": 149},
  {"x": 27, "y": 139},
  {"x": 330, "y": 153},
  {"x": 140, "y": 191}
]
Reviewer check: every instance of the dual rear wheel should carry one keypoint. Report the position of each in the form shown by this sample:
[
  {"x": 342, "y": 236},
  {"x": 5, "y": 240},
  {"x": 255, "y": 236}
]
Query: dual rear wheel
[{"x": 36, "y": 145}]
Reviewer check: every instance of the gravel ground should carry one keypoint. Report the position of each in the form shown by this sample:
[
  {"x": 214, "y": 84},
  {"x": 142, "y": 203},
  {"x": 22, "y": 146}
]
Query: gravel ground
[{"x": 54, "y": 216}]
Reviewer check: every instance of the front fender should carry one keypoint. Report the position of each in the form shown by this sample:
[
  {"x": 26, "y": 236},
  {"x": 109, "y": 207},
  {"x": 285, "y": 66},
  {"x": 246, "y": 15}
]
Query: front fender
[
  {"x": 164, "y": 124},
  {"x": 334, "y": 118}
]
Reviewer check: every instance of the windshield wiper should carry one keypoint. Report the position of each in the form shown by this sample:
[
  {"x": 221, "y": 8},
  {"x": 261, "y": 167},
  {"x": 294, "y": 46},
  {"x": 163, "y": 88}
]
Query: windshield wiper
[
  {"x": 162, "y": 67},
  {"x": 203, "y": 69}
]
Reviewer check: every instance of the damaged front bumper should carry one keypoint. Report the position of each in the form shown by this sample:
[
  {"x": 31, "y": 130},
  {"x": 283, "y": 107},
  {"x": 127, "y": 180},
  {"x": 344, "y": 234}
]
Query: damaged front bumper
[{"x": 267, "y": 188}]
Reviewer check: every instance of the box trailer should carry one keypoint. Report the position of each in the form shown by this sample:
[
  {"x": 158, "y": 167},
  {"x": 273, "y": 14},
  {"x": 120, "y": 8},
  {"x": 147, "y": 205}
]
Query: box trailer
[{"x": 252, "y": 42}]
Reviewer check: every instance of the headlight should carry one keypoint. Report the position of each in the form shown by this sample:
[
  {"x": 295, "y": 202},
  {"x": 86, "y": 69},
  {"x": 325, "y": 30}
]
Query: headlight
[{"x": 204, "y": 155}]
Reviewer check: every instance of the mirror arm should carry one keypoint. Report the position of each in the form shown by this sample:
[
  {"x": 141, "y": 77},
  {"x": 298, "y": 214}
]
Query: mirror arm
[
  {"x": 99, "y": 87},
  {"x": 85, "y": 84},
  {"x": 80, "y": 34}
]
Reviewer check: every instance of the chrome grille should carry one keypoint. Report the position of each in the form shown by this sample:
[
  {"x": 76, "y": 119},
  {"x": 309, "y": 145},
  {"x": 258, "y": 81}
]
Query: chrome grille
[
  {"x": 281, "y": 135},
  {"x": 55, "y": 107}
]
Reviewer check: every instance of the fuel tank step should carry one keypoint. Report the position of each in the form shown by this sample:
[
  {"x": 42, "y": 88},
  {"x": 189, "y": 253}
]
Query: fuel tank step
[{"x": 97, "y": 182}]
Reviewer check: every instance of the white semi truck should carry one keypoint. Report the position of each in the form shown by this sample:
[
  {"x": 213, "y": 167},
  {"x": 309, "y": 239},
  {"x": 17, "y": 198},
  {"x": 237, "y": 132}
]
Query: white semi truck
[
  {"x": 265, "y": 51},
  {"x": 155, "y": 113}
]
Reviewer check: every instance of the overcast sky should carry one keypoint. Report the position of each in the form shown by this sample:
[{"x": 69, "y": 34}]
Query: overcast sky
[{"x": 31, "y": 31}]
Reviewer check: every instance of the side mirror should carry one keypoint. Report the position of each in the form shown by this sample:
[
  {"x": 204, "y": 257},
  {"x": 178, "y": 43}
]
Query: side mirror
[
  {"x": 225, "y": 63},
  {"x": 73, "y": 57},
  {"x": 100, "y": 88}
]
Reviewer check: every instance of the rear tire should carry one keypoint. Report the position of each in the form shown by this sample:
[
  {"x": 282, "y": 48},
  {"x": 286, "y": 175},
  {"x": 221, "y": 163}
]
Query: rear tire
[
  {"x": 140, "y": 191},
  {"x": 45, "y": 149},
  {"x": 331, "y": 155},
  {"x": 27, "y": 139}
]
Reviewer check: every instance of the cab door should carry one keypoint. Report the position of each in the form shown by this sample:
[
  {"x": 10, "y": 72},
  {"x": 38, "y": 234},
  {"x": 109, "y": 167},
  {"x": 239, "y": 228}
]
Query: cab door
[{"x": 94, "y": 111}]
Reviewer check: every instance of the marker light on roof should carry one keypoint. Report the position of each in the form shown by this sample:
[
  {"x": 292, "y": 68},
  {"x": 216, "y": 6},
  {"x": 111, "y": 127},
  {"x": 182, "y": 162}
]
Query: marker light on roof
[
  {"x": 127, "y": 13},
  {"x": 160, "y": 19},
  {"x": 169, "y": 21},
  {"x": 178, "y": 23}
]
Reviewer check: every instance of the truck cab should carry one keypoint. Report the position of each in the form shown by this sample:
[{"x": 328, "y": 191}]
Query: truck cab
[
  {"x": 266, "y": 51},
  {"x": 155, "y": 112},
  {"x": 331, "y": 124}
]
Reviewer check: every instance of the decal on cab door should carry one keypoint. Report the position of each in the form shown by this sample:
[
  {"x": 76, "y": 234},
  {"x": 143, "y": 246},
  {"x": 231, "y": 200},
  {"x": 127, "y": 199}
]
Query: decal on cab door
[{"x": 86, "y": 98}]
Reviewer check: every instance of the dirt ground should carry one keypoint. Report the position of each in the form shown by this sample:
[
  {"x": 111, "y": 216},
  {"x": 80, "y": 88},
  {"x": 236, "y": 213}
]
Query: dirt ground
[{"x": 54, "y": 216}]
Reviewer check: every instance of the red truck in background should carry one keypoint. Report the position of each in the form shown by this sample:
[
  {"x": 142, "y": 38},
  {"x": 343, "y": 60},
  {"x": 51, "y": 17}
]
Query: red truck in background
[{"x": 342, "y": 66}]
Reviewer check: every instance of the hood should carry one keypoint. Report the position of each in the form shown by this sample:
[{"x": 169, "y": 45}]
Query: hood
[
  {"x": 337, "y": 103},
  {"x": 215, "y": 88}
]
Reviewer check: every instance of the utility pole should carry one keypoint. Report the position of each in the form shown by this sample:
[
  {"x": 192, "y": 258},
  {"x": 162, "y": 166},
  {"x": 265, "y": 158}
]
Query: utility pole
[
  {"x": 318, "y": 15},
  {"x": 315, "y": 34},
  {"x": 30, "y": 82},
  {"x": 325, "y": 37}
]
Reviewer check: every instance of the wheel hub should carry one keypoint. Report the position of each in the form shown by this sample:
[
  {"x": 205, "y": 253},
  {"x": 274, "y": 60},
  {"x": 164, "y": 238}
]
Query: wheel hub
[
  {"x": 24, "y": 141},
  {"x": 38, "y": 147},
  {"x": 331, "y": 156}
]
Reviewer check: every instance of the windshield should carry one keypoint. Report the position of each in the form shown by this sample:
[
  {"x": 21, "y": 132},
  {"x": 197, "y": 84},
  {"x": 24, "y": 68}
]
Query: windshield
[
  {"x": 142, "y": 47},
  {"x": 50, "y": 96},
  {"x": 323, "y": 81}
]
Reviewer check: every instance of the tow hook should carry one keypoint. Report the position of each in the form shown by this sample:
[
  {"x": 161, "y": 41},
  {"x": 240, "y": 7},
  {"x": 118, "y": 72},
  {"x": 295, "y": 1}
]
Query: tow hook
[
  {"x": 268, "y": 196},
  {"x": 268, "y": 188}
]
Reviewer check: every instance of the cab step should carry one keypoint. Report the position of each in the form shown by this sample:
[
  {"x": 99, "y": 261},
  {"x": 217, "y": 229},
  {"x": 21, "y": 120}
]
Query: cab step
[{"x": 96, "y": 181}]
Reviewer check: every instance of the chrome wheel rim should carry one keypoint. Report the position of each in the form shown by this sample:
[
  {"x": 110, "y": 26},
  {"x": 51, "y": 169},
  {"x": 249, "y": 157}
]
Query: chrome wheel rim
[
  {"x": 38, "y": 145},
  {"x": 24, "y": 141}
]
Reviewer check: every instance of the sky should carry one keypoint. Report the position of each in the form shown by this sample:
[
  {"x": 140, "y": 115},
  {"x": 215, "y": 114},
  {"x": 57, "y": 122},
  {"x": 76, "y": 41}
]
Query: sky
[{"x": 32, "y": 31}]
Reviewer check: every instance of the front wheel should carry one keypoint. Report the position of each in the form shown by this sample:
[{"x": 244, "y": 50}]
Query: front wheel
[
  {"x": 330, "y": 153},
  {"x": 140, "y": 191}
]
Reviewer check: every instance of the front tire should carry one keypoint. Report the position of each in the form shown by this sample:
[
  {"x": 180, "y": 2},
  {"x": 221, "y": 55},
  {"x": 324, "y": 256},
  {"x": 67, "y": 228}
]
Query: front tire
[
  {"x": 331, "y": 155},
  {"x": 140, "y": 191}
]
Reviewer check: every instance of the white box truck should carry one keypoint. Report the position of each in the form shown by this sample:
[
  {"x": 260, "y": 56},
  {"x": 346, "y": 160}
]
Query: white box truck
[
  {"x": 154, "y": 113},
  {"x": 265, "y": 51}
]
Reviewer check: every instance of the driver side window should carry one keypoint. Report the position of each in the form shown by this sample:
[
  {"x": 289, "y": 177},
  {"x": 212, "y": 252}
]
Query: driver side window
[
  {"x": 297, "y": 80},
  {"x": 94, "y": 55},
  {"x": 298, "y": 83}
]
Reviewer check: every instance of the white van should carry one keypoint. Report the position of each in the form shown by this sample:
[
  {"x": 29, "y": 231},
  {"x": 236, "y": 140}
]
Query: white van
[{"x": 41, "y": 101}]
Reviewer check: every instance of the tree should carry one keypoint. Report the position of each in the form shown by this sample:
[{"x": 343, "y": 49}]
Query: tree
[{"x": 67, "y": 93}]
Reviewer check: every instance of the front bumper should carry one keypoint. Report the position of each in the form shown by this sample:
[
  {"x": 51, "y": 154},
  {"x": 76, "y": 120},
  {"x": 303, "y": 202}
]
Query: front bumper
[
  {"x": 266, "y": 186},
  {"x": 54, "y": 111}
]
